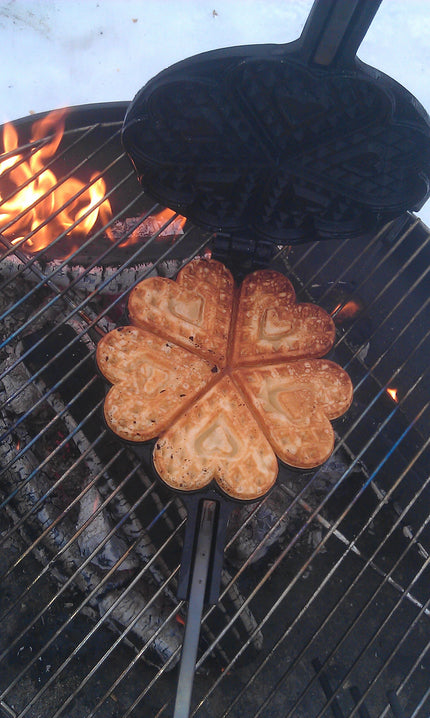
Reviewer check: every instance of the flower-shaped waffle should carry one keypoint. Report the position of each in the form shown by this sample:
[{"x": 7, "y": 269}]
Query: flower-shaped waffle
[{"x": 226, "y": 380}]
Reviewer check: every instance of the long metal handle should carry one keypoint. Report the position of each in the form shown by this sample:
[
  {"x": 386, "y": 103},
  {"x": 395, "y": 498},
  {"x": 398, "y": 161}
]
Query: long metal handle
[
  {"x": 195, "y": 609},
  {"x": 334, "y": 30}
]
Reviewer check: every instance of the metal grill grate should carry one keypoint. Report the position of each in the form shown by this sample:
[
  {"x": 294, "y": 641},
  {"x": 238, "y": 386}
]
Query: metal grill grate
[{"x": 324, "y": 608}]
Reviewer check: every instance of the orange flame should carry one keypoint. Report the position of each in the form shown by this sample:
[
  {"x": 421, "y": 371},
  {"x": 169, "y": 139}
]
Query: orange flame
[
  {"x": 393, "y": 394},
  {"x": 24, "y": 209},
  {"x": 342, "y": 313},
  {"x": 166, "y": 214}
]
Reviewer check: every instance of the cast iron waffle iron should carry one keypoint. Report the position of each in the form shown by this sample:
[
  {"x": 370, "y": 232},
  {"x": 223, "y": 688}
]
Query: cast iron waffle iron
[
  {"x": 278, "y": 143},
  {"x": 285, "y": 143},
  {"x": 208, "y": 511}
]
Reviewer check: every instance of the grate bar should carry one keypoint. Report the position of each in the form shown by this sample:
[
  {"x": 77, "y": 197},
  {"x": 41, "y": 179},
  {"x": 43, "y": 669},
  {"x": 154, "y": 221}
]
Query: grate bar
[
  {"x": 7, "y": 710},
  {"x": 103, "y": 581},
  {"x": 351, "y": 546},
  {"x": 352, "y": 625},
  {"x": 294, "y": 540}
]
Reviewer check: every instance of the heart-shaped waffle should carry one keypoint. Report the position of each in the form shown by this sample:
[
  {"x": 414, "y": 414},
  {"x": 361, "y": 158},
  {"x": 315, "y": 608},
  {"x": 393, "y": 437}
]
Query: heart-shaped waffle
[
  {"x": 152, "y": 381},
  {"x": 228, "y": 420},
  {"x": 270, "y": 326},
  {"x": 294, "y": 402},
  {"x": 194, "y": 311},
  {"x": 217, "y": 438}
]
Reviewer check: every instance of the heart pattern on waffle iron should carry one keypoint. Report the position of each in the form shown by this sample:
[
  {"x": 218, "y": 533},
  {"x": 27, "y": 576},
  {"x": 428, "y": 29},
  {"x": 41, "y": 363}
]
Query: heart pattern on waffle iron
[
  {"x": 246, "y": 386},
  {"x": 269, "y": 146}
]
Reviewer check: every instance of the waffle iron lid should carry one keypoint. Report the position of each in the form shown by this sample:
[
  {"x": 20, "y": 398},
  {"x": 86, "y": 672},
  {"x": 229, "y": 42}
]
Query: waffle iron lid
[{"x": 286, "y": 143}]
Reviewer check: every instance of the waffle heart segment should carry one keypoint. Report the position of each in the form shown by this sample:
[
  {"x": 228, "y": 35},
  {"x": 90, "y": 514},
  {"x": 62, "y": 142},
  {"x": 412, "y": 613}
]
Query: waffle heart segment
[
  {"x": 271, "y": 326},
  {"x": 217, "y": 438},
  {"x": 152, "y": 381},
  {"x": 194, "y": 311},
  {"x": 294, "y": 402}
]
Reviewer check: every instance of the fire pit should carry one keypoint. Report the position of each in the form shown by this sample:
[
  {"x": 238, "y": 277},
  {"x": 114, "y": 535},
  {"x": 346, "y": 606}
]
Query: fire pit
[{"x": 324, "y": 605}]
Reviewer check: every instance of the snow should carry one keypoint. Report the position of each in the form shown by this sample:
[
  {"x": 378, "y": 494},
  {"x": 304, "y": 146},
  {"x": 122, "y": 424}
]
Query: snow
[{"x": 58, "y": 53}]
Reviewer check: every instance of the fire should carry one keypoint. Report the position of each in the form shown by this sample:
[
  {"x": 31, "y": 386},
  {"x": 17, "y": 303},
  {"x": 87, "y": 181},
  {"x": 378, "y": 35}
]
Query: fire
[
  {"x": 30, "y": 193},
  {"x": 345, "y": 312},
  {"x": 153, "y": 224},
  {"x": 166, "y": 214},
  {"x": 393, "y": 393}
]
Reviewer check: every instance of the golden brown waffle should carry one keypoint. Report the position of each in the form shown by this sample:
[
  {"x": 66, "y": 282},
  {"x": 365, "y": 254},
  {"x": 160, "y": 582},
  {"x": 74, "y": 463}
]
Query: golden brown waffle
[
  {"x": 194, "y": 311},
  {"x": 217, "y": 438},
  {"x": 264, "y": 394},
  {"x": 270, "y": 326},
  {"x": 152, "y": 381},
  {"x": 294, "y": 402}
]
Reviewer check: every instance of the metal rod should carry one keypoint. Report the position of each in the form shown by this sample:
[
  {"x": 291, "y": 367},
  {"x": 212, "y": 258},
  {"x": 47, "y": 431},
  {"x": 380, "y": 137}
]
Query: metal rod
[
  {"x": 102, "y": 620},
  {"x": 195, "y": 607}
]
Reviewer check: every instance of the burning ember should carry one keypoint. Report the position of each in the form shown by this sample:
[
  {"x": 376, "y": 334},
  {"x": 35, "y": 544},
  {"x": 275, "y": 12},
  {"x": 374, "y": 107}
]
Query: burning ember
[
  {"x": 30, "y": 194},
  {"x": 346, "y": 312},
  {"x": 151, "y": 225},
  {"x": 393, "y": 394}
]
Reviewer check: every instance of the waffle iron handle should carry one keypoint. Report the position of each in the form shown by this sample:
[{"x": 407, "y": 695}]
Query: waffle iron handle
[
  {"x": 334, "y": 31},
  {"x": 206, "y": 529},
  {"x": 223, "y": 508}
]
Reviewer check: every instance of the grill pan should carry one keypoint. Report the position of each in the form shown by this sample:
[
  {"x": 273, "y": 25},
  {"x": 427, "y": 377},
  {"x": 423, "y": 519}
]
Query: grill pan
[{"x": 283, "y": 142}]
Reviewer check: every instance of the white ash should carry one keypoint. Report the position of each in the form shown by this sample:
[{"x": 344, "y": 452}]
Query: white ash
[
  {"x": 118, "y": 506},
  {"x": 34, "y": 502},
  {"x": 264, "y": 528},
  {"x": 98, "y": 527},
  {"x": 13, "y": 381},
  {"x": 130, "y": 609},
  {"x": 35, "y": 498},
  {"x": 113, "y": 281},
  {"x": 64, "y": 276},
  {"x": 246, "y": 616}
]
